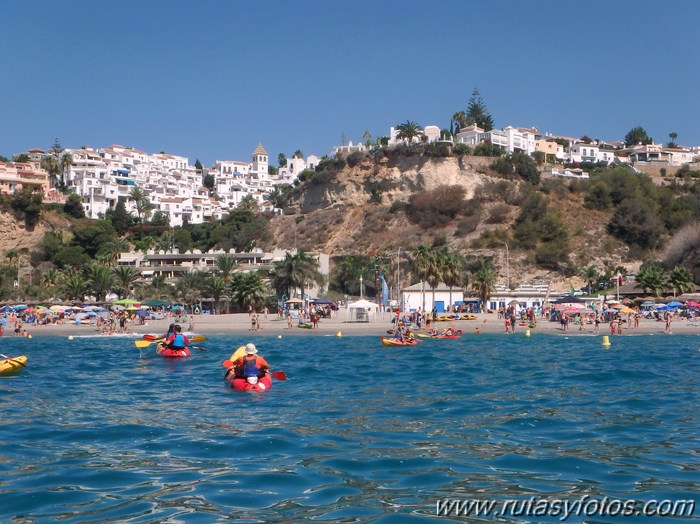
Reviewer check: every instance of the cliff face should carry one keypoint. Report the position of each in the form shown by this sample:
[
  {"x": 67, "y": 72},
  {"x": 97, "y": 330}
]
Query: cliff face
[
  {"x": 14, "y": 236},
  {"x": 396, "y": 181}
]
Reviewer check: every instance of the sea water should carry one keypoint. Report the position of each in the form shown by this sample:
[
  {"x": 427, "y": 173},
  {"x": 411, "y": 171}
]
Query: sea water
[{"x": 96, "y": 430}]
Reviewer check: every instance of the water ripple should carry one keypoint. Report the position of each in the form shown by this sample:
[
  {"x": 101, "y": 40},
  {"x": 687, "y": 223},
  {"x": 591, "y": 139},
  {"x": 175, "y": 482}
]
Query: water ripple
[{"x": 95, "y": 431}]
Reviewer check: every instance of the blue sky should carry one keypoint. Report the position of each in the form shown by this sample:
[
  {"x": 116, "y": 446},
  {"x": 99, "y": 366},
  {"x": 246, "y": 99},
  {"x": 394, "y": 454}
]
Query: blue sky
[{"x": 212, "y": 79}]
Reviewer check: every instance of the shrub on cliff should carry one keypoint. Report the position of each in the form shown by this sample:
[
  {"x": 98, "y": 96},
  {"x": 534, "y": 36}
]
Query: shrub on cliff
[{"x": 437, "y": 207}]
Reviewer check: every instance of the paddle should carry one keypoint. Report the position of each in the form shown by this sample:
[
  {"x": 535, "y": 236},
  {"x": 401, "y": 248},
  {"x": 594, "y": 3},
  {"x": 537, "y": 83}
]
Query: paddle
[
  {"x": 279, "y": 375},
  {"x": 18, "y": 361},
  {"x": 145, "y": 343}
]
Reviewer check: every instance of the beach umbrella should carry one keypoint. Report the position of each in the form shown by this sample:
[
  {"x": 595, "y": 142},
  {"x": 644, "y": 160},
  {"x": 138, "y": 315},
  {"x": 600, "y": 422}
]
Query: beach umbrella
[
  {"x": 571, "y": 309},
  {"x": 627, "y": 310},
  {"x": 609, "y": 311},
  {"x": 569, "y": 299},
  {"x": 126, "y": 302},
  {"x": 647, "y": 303},
  {"x": 58, "y": 308},
  {"x": 21, "y": 307},
  {"x": 619, "y": 306},
  {"x": 142, "y": 313},
  {"x": 691, "y": 303},
  {"x": 6, "y": 309},
  {"x": 675, "y": 303}
]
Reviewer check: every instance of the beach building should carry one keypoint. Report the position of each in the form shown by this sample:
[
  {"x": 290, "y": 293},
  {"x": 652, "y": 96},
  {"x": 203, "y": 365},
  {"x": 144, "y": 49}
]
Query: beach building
[
  {"x": 443, "y": 296},
  {"x": 19, "y": 175},
  {"x": 525, "y": 295},
  {"x": 172, "y": 264}
]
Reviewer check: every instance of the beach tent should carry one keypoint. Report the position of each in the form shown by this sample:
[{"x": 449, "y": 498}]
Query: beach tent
[
  {"x": 156, "y": 302},
  {"x": 361, "y": 311}
]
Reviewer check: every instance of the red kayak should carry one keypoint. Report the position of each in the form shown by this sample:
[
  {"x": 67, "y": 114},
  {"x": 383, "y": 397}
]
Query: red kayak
[
  {"x": 169, "y": 352},
  {"x": 241, "y": 384}
]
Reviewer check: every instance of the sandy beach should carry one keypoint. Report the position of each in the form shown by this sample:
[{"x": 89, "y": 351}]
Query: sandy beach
[{"x": 240, "y": 324}]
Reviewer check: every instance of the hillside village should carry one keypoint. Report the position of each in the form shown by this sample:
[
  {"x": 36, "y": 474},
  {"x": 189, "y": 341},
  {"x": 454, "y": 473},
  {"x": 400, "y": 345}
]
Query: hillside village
[{"x": 180, "y": 194}]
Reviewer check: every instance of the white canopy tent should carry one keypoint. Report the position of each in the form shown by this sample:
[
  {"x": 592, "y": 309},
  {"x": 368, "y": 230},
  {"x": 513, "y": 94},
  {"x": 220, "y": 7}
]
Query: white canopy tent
[{"x": 361, "y": 311}]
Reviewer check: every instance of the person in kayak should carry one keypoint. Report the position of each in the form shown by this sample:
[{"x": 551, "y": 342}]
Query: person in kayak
[
  {"x": 171, "y": 331},
  {"x": 250, "y": 366},
  {"x": 177, "y": 340}
]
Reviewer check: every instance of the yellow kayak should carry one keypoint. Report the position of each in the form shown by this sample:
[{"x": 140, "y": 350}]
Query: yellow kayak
[{"x": 12, "y": 365}]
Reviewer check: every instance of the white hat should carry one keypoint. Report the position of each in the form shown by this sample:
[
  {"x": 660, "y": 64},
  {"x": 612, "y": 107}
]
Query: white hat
[{"x": 250, "y": 349}]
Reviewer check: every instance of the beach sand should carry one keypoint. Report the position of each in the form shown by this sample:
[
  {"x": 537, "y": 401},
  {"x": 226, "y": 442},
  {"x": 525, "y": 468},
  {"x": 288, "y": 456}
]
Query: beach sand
[{"x": 240, "y": 324}]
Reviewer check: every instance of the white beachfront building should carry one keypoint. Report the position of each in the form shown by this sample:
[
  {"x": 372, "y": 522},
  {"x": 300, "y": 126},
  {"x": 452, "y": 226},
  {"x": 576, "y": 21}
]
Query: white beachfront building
[
  {"x": 444, "y": 296},
  {"x": 431, "y": 133},
  {"x": 296, "y": 165}
]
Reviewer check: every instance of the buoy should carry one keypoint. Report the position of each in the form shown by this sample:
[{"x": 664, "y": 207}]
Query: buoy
[
  {"x": 70, "y": 337},
  {"x": 606, "y": 341},
  {"x": 527, "y": 332},
  {"x": 338, "y": 334},
  {"x": 29, "y": 336},
  {"x": 279, "y": 336}
]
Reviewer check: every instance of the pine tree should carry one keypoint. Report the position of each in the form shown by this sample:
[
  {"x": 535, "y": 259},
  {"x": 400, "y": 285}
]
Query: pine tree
[{"x": 477, "y": 112}]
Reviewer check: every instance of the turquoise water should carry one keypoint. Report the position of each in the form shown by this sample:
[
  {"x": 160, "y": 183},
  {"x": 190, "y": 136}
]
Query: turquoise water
[{"x": 96, "y": 431}]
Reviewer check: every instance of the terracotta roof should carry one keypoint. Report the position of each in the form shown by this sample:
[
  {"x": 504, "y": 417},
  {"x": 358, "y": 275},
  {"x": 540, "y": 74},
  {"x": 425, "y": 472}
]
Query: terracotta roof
[{"x": 260, "y": 150}]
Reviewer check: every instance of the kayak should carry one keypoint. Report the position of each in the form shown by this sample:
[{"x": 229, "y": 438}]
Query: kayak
[
  {"x": 423, "y": 335},
  {"x": 12, "y": 365},
  {"x": 241, "y": 384},
  {"x": 391, "y": 341},
  {"x": 173, "y": 353}
]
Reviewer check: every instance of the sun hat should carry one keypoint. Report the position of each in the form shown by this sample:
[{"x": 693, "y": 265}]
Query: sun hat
[{"x": 250, "y": 349}]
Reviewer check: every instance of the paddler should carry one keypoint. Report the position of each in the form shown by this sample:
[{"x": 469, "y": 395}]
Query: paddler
[
  {"x": 250, "y": 366},
  {"x": 171, "y": 331},
  {"x": 177, "y": 340}
]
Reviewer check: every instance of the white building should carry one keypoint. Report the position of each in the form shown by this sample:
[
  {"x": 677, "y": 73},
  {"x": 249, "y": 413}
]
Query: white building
[
  {"x": 583, "y": 152},
  {"x": 511, "y": 139},
  {"x": 526, "y": 295},
  {"x": 412, "y": 297}
]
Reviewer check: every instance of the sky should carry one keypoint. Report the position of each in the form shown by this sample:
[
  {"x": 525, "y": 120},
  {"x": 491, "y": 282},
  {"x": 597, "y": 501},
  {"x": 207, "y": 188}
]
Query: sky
[{"x": 211, "y": 80}]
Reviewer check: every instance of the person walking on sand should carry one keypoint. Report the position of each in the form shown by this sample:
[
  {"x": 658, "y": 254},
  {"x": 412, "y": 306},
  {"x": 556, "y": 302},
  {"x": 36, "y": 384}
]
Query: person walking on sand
[{"x": 668, "y": 330}]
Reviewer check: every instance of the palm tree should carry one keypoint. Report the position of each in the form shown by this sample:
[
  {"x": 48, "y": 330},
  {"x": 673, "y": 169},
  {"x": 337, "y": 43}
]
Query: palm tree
[
  {"x": 460, "y": 120},
  {"x": 408, "y": 131},
  {"x": 434, "y": 271},
  {"x": 590, "y": 275},
  {"x": 484, "y": 280},
  {"x": 673, "y": 137},
  {"x": 190, "y": 284},
  {"x": 158, "y": 283},
  {"x": 277, "y": 197},
  {"x": 452, "y": 269},
  {"x": 73, "y": 286},
  {"x": 367, "y": 138},
  {"x": 216, "y": 287},
  {"x": 226, "y": 265},
  {"x": 420, "y": 258},
  {"x": 124, "y": 278},
  {"x": 113, "y": 248},
  {"x": 681, "y": 280},
  {"x": 65, "y": 163},
  {"x": 101, "y": 280},
  {"x": 50, "y": 165},
  {"x": 295, "y": 272},
  {"x": 651, "y": 278},
  {"x": 249, "y": 288},
  {"x": 141, "y": 201}
]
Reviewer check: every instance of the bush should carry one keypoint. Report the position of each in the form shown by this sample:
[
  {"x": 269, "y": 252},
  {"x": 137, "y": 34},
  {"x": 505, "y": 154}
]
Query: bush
[
  {"x": 355, "y": 158},
  {"x": 498, "y": 214},
  {"x": 461, "y": 150},
  {"x": 467, "y": 225},
  {"x": 598, "y": 196},
  {"x": 553, "y": 255},
  {"x": 435, "y": 208},
  {"x": 635, "y": 222},
  {"x": 398, "y": 205}
]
